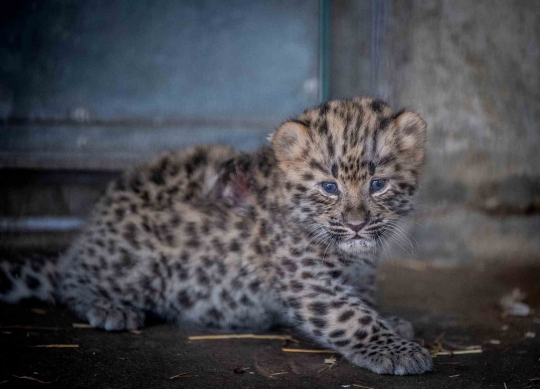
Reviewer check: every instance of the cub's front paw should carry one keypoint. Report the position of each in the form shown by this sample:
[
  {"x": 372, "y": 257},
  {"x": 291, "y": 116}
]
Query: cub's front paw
[
  {"x": 394, "y": 356},
  {"x": 113, "y": 318}
]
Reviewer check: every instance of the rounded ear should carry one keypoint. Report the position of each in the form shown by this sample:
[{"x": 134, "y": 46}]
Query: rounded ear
[
  {"x": 289, "y": 140},
  {"x": 413, "y": 133}
]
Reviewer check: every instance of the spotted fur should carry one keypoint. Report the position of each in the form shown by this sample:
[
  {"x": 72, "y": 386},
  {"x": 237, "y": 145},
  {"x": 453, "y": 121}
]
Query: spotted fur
[{"x": 217, "y": 238}]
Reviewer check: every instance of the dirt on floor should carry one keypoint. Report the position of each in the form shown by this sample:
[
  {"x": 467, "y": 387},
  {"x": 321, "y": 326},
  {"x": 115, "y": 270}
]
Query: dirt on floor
[{"x": 453, "y": 308}]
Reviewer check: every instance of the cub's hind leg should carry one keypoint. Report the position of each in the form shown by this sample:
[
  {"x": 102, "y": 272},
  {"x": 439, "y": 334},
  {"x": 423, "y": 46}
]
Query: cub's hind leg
[
  {"x": 102, "y": 308},
  {"x": 102, "y": 313},
  {"x": 403, "y": 328}
]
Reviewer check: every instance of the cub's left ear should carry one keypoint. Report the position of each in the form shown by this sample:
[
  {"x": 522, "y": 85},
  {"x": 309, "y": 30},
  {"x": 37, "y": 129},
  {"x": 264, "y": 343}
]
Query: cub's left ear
[
  {"x": 289, "y": 140},
  {"x": 412, "y": 129}
]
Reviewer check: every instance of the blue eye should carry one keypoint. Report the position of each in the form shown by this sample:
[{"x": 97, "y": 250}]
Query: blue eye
[
  {"x": 377, "y": 185},
  {"x": 329, "y": 187}
]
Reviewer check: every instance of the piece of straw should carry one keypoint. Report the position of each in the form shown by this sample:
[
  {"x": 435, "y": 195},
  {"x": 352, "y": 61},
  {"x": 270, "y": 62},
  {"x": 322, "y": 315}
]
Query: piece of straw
[
  {"x": 56, "y": 346},
  {"x": 82, "y": 325},
  {"x": 181, "y": 375},
  {"x": 242, "y": 336},
  {"x": 302, "y": 350},
  {"x": 331, "y": 362},
  {"x": 24, "y": 377},
  {"x": 458, "y": 352}
]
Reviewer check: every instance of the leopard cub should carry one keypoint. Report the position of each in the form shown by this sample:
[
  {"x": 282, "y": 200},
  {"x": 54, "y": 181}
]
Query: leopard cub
[{"x": 287, "y": 234}]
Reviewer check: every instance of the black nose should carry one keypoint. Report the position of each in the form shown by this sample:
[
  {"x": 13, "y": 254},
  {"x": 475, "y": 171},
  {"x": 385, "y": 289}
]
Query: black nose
[{"x": 356, "y": 225}]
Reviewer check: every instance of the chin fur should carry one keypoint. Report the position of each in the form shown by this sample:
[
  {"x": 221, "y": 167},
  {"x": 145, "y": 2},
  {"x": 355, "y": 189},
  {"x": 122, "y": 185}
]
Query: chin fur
[{"x": 357, "y": 246}]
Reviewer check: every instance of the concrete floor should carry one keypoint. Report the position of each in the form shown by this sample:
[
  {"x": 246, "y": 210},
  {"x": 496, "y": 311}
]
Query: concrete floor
[{"x": 457, "y": 305}]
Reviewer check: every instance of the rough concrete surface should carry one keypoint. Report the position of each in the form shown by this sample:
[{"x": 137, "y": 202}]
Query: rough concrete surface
[
  {"x": 457, "y": 305},
  {"x": 471, "y": 68}
]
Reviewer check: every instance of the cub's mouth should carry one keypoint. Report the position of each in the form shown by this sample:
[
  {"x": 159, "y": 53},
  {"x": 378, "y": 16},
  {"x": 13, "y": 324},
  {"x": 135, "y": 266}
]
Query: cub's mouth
[
  {"x": 356, "y": 244},
  {"x": 358, "y": 237}
]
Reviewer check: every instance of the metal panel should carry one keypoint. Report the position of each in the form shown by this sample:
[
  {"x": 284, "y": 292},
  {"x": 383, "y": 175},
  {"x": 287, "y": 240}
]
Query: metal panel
[
  {"x": 169, "y": 59},
  {"x": 139, "y": 74},
  {"x": 115, "y": 147}
]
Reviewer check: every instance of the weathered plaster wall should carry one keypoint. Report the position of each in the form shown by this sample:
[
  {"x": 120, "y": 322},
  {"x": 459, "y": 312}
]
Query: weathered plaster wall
[{"x": 472, "y": 68}]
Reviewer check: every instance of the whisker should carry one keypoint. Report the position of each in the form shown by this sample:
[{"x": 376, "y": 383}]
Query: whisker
[
  {"x": 403, "y": 236},
  {"x": 398, "y": 240}
]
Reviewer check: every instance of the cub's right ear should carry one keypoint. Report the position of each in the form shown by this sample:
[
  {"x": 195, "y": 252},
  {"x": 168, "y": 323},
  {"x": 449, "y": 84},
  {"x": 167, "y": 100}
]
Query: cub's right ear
[{"x": 289, "y": 141}]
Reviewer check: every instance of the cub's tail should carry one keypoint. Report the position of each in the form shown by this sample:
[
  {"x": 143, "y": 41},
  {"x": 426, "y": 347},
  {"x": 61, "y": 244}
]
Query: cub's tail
[{"x": 28, "y": 276}]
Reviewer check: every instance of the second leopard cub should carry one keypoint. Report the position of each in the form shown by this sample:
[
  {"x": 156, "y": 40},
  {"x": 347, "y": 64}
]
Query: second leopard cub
[{"x": 287, "y": 234}]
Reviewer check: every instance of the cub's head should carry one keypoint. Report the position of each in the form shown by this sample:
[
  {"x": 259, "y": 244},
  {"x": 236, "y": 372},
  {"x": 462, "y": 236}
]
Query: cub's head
[{"x": 351, "y": 170}]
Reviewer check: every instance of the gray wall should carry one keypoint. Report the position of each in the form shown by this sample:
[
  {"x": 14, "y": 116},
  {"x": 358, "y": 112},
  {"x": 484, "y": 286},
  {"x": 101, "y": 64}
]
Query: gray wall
[{"x": 472, "y": 68}]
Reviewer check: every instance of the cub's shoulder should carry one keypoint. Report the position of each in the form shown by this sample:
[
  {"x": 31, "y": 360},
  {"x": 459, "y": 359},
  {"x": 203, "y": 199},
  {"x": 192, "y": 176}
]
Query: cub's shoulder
[{"x": 174, "y": 176}]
